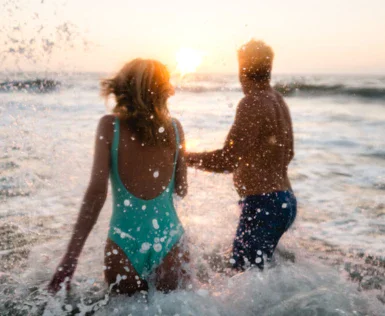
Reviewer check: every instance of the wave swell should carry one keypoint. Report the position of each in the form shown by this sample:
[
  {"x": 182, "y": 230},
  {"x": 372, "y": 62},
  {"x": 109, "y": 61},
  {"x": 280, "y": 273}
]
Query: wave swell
[
  {"x": 293, "y": 89},
  {"x": 204, "y": 85},
  {"x": 30, "y": 86},
  {"x": 301, "y": 90}
]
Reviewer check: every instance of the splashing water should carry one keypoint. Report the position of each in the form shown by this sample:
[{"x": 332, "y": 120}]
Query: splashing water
[{"x": 337, "y": 180}]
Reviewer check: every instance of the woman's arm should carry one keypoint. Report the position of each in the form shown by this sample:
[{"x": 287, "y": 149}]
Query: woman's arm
[
  {"x": 93, "y": 202},
  {"x": 181, "y": 185}
]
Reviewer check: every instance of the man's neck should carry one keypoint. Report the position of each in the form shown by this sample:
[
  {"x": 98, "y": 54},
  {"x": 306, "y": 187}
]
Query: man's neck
[{"x": 253, "y": 87}]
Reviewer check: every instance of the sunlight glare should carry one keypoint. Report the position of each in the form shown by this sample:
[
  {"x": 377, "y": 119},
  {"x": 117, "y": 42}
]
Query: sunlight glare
[{"x": 188, "y": 60}]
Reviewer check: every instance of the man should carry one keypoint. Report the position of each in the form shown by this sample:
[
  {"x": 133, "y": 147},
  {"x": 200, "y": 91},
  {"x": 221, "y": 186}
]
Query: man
[{"x": 258, "y": 150}]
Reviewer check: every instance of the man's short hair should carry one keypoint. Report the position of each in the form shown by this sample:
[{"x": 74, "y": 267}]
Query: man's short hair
[{"x": 255, "y": 60}]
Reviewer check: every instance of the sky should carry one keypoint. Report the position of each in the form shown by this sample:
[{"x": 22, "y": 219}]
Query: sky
[{"x": 339, "y": 36}]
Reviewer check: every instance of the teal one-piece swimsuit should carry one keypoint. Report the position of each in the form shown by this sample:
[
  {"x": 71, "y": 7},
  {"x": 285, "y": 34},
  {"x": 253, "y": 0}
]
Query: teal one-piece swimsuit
[{"x": 146, "y": 230}]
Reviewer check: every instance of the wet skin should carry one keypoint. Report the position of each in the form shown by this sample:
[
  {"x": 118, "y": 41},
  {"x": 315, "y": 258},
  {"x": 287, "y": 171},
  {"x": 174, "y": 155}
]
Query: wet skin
[
  {"x": 259, "y": 146},
  {"x": 137, "y": 164}
]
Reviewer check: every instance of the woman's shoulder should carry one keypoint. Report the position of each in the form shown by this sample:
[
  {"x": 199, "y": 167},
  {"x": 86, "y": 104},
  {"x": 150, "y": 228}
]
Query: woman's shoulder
[
  {"x": 107, "y": 119},
  {"x": 179, "y": 127},
  {"x": 106, "y": 126},
  {"x": 177, "y": 123}
]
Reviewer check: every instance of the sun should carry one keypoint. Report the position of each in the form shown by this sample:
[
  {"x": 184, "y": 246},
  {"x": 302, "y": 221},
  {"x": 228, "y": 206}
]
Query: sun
[{"x": 188, "y": 60}]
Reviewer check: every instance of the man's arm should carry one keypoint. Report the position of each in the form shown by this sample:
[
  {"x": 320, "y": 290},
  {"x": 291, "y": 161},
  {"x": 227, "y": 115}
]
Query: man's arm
[{"x": 227, "y": 158}]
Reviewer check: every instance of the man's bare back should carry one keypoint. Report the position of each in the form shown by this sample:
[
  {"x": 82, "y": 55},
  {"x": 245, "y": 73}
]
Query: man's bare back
[
  {"x": 267, "y": 146},
  {"x": 259, "y": 146}
]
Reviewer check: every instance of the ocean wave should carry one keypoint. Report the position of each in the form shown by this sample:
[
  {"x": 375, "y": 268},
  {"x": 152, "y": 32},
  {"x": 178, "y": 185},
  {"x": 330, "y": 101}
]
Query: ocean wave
[
  {"x": 299, "y": 89},
  {"x": 30, "y": 86},
  {"x": 205, "y": 89},
  {"x": 288, "y": 87},
  {"x": 380, "y": 154},
  {"x": 295, "y": 89}
]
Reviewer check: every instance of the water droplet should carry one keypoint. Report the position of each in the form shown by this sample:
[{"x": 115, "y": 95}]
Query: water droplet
[
  {"x": 232, "y": 261},
  {"x": 127, "y": 202},
  {"x": 258, "y": 260},
  {"x": 68, "y": 308},
  {"x": 259, "y": 252},
  {"x": 161, "y": 129},
  {"x": 156, "y": 174},
  {"x": 144, "y": 207},
  {"x": 284, "y": 205},
  {"x": 155, "y": 224},
  {"x": 115, "y": 252},
  {"x": 157, "y": 247},
  {"x": 145, "y": 247},
  {"x": 101, "y": 137}
]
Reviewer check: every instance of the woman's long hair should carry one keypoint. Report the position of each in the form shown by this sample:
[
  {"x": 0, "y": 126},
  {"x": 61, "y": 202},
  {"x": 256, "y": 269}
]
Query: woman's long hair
[{"x": 141, "y": 89}]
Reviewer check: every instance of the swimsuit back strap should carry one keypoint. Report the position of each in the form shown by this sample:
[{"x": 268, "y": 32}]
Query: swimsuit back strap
[{"x": 115, "y": 144}]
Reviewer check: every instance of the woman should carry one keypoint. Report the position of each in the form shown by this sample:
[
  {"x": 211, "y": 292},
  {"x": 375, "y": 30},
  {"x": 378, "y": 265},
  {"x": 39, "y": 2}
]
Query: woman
[{"x": 142, "y": 150}]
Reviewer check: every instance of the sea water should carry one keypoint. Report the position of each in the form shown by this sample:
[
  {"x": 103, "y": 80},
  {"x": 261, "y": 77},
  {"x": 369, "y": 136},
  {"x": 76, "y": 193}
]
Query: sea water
[{"x": 47, "y": 133}]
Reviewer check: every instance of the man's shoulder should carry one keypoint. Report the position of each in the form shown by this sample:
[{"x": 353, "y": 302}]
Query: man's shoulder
[
  {"x": 253, "y": 103},
  {"x": 279, "y": 96},
  {"x": 250, "y": 101}
]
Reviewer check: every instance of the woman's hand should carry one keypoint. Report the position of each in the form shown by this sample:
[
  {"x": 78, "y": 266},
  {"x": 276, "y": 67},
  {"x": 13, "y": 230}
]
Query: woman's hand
[
  {"x": 190, "y": 159},
  {"x": 63, "y": 275},
  {"x": 194, "y": 159}
]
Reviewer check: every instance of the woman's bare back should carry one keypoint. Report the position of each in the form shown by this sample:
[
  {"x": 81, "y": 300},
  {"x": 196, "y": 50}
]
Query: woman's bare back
[{"x": 145, "y": 170}]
